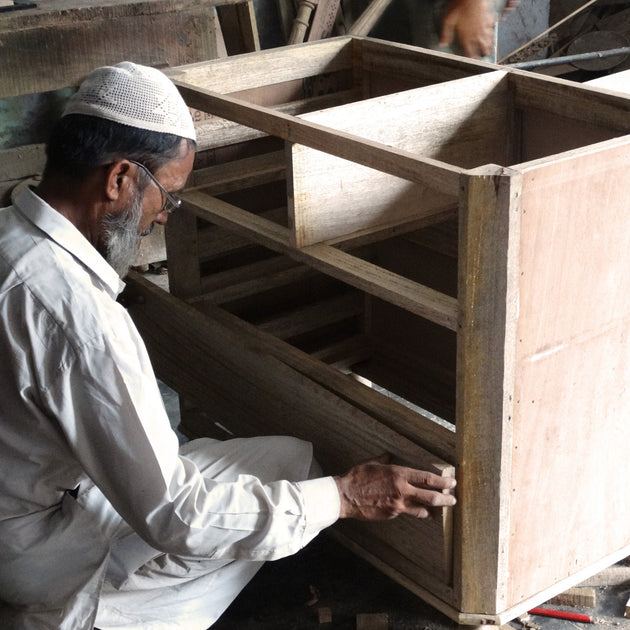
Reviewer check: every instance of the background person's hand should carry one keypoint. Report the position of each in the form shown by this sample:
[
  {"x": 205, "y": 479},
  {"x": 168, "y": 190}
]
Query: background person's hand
[
  {"x": 472, "y": 22},
  {"x": 377, "y": 491}
]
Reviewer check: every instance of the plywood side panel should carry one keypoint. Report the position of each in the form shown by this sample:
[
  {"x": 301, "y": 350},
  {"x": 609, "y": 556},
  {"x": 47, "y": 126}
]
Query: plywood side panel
[
  {"x": 572, "y": 370},
  {"x": 462, "y": 123}
]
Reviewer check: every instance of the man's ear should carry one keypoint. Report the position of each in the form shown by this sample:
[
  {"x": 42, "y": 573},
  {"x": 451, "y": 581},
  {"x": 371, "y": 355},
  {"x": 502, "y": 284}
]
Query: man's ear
[{"x": 118, "y": 179}]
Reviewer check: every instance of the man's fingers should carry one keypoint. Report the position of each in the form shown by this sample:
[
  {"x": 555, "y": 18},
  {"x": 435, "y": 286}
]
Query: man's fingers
[
  {"x": 426, "y": 479},
  {"x": 430, "y": 498},
  {"x": 448, "y": 33}
]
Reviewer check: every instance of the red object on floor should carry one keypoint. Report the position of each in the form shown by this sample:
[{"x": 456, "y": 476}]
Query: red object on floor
[{"x": 561, "y": 614}]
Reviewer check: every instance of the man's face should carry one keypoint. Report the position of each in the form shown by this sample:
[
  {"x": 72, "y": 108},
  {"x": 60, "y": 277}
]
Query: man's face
[
  {"x": 172, "y": 177},
  {"x": 123, "y": 229}
]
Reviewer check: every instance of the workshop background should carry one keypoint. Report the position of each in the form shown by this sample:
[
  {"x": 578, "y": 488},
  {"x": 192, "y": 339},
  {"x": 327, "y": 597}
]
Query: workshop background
[{"x": 325, "y": 585}]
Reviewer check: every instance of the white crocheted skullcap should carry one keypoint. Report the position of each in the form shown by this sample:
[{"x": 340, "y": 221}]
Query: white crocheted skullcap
[{"x": 134, "y": 95}]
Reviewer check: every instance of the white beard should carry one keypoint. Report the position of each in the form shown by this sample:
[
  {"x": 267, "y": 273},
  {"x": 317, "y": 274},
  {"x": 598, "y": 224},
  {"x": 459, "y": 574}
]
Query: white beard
[{"x": 121, "y": 236}]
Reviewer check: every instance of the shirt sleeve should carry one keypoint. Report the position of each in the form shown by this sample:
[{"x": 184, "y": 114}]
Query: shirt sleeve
[{"x": 107, "y": 400}]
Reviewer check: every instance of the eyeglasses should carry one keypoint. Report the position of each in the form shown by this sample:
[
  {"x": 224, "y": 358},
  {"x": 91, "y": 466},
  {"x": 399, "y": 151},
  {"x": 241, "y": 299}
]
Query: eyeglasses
[{"x": 171, "y": 203}]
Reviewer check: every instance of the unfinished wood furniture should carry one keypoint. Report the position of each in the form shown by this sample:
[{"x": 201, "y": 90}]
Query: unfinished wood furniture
[{"x": 385, "y": 249}]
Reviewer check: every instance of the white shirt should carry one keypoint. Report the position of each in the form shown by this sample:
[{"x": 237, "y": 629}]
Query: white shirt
[{"x": 80, "y": 409}]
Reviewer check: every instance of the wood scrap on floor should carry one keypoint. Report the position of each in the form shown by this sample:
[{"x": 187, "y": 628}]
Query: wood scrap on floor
[
  {"x": 612, "y": 576},
  {"x": 579, "y": 596},
  {"x": 378, "y": 621},
  {"x": 324, "y": 615}
]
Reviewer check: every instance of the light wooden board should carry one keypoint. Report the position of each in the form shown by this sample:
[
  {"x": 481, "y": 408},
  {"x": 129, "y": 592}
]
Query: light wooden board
[
  {"x": 572, "y": 347},
  {"x": 57, "y": 43},
  {"x": 463, "y": 123},
  {"x": 247, "y": 71}
]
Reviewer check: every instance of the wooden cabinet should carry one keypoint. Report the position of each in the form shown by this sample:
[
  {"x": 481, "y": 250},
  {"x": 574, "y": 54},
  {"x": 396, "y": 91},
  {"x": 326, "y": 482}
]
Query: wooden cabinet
[{"x": 386, "y": 249}]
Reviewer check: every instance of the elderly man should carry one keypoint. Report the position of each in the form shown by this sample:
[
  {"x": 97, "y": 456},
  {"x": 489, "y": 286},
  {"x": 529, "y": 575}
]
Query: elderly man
[{"x": 104, "y": 520}]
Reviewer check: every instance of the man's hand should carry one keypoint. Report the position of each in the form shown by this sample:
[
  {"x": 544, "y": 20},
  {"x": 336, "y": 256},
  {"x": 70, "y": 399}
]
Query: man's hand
[
  {"x": 472, "y": 21},
  {"x": 375, "y": 491}
]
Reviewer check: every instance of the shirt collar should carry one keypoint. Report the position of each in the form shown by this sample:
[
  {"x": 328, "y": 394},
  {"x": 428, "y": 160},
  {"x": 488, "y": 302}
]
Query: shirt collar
[{"x": 66, "y": 235}]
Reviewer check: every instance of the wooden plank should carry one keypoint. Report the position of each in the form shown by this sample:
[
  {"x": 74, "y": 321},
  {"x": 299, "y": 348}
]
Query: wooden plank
[
  {"x": 344, "y": 354},
  {"x": 409, "y": 295},
  {"x": 207, "y": 361},
  {"x": 571, "y": 358},
  {"x": 577, "y": 596},
  {"x": 251, "y": 286},
  {"x": 252, "y": 70},
  {"x": 372, "y": 621},
  {"x": 313, "y": 316},
  {"x": 361, "y": 274},
  {"x": 418, "y": 65},
  {"x": 329, "y": 196},
  {"x": 488, "y": 270},
  {"x": 239, "y": 28},
  {"x": 215, "y": 241},
  {"x": 239, "y": 174},
  {"x": 182, "y": 246},
  {"x": 220, "y": 283},
  {"x": 55, "y": 36},
  {"x": 570, "y": 100},
  {"x": 433, "y": 173},
  {"x": 213, "y": 131},
  {"x": 616, "y": 82}
]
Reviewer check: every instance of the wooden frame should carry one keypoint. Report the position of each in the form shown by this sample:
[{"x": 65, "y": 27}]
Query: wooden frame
[{"x": 497, "y": 301}]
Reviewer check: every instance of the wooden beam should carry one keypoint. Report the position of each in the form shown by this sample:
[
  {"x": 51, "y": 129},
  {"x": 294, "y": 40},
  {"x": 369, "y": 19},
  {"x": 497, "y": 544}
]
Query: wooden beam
[
  {"x": 252, "y": 70},
  {"x": 313, "y": 316},
  {"x": 405, "y": 164},
  {"x": 488, "y": 270},
  {"x": 239, "y": 174},
  {"x": 361, "y": 274}
]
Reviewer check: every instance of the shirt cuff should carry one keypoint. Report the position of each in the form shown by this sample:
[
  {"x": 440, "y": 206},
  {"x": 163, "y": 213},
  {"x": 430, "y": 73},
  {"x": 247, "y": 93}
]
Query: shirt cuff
[{"x": 321, "y": 504}]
